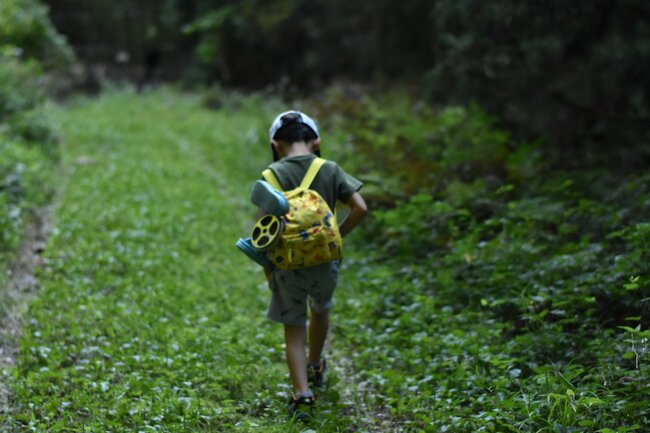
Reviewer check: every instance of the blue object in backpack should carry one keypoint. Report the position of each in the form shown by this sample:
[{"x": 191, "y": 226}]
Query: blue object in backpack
[
  {"x": 269, "y": 199},
  {"x": 254, "y": 254}
]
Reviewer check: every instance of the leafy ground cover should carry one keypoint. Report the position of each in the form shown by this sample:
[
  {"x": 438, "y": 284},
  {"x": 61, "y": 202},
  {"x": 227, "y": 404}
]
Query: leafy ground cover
[
  {"x": 501, "y": 291},
  {"x": 489, "y": 291},
  {"x": 149, "y": 318}
]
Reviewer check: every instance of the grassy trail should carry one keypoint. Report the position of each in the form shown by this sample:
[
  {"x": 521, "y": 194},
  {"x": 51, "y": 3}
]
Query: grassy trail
[{"x": 149, "y": 319}]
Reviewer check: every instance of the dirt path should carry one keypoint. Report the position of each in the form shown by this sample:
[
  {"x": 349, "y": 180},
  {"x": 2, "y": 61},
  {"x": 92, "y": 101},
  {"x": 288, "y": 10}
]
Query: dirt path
[
  {"x": 356, "y": 393},
  {"x": 21, "y": 287}
]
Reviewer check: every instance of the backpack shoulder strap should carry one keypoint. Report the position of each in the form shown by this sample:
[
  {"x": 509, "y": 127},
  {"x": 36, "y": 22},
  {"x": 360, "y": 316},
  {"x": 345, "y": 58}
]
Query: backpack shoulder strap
[
  {"x": 316, "y": 164},
  {"x": 270, "y": 177}
]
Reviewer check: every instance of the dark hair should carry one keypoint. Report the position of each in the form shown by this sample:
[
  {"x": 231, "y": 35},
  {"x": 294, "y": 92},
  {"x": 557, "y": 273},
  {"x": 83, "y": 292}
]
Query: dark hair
[{"x": 292, "y": 131}]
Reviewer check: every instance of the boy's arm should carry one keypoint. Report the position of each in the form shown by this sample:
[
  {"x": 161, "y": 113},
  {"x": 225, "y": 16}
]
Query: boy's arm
[{"x": 358, "y": 210}]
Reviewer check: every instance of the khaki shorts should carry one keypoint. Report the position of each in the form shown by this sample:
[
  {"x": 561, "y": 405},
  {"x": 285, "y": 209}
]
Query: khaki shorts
[{"x": 291, "y": 289}]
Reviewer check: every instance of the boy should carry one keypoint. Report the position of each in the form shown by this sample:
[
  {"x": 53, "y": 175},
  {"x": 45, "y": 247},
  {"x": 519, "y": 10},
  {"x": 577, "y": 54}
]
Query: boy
[{"x": 295, "y": 143}]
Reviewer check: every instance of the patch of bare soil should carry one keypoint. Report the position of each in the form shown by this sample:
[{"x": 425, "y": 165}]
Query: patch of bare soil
[
  {"x": 358, "y": 397},
  {"x": 22, "y": 285}
]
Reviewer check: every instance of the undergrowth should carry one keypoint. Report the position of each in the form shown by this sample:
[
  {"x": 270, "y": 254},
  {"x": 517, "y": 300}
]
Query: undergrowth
[
  {"x": 489, "y": 291},
  {"x": 494, "y": 292},
  {"x": 29, "y": 47}
]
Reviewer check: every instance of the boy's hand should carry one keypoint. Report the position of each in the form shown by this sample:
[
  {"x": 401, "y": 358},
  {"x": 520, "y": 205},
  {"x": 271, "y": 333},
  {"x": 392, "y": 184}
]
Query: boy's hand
[{"x": 358, "y": 210}]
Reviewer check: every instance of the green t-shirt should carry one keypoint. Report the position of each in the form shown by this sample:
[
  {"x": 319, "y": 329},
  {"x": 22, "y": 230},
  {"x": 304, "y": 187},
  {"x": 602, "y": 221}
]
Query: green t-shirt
[{"x": 331, "y": 182}]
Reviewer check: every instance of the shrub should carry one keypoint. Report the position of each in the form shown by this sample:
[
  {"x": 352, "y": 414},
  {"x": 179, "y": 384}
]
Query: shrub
[
  {"x": 416, "y": 147},
  {"x": 25, "y": 25},
  {"x": 19, "y": 89},
  {"x": 29, "y": 46}
]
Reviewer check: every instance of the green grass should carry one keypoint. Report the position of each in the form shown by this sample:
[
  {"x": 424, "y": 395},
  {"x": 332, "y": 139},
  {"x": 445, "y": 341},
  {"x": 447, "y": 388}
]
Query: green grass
[
  {"x": 149, "y": 318},
  {"x": 498, "y": 296}
]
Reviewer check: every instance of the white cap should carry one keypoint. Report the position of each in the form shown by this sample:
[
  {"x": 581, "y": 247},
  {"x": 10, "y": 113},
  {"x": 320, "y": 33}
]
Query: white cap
[{"x": 302, "y": 118}]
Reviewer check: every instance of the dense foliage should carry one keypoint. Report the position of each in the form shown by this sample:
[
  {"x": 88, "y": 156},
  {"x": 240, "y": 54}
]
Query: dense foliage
[
  {"x": 500, "y": 295},
  {"x": 25, "y": 25},
  {"x": 573, "y": 72},
  {"x": 29, "y": 46}
]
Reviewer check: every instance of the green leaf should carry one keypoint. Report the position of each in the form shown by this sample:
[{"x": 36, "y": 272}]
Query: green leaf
[{"x": 590, "y": 401}]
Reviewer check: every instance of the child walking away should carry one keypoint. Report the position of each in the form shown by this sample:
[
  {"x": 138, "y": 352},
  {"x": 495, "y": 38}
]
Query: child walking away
[{"x": 302, "y": 266}]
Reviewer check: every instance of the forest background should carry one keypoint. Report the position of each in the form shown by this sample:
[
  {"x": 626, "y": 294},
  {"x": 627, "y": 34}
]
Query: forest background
[{"x": 505, "y": 147}]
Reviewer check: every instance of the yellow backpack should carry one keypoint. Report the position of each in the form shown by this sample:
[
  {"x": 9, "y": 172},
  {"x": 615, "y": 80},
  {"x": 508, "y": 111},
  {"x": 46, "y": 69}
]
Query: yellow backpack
[{"x": 311, "y": 235}]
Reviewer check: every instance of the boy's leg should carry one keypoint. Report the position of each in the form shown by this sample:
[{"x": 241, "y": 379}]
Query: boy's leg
[
  {"x": 294, "y": 338},
  {"x": 318, "y": 327}
]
